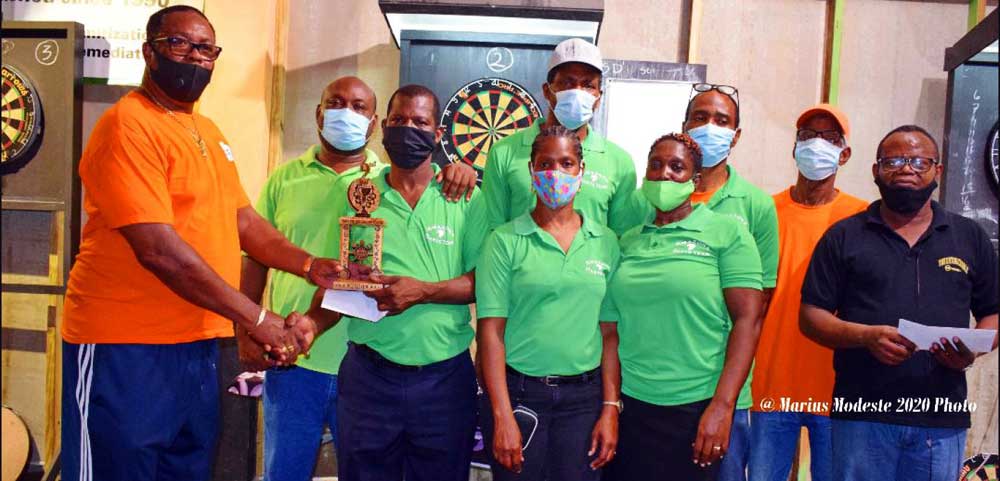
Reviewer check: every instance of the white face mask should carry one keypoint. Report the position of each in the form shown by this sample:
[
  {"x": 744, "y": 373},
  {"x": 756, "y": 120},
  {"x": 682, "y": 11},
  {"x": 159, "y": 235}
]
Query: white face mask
[{"x": 817, "y": 158}]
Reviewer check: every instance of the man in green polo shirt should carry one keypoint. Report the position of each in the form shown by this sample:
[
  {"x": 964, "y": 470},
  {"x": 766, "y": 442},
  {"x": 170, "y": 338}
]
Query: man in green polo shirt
[
  {"x": 713, "y": 120},
  {"x": 407, "y": 406},
  {"x": 304, "y": 199},
  {"x": 573, "y": 90}
]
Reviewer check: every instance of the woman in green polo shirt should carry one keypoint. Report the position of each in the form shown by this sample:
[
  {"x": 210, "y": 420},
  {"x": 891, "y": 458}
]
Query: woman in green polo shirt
[
  {"x": 686, "y": 298},
  {"x": 550, "y": 367}
]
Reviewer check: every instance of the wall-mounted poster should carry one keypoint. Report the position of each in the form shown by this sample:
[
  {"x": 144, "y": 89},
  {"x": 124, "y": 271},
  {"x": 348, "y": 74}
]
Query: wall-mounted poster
[{"x": 115, "y": 31}]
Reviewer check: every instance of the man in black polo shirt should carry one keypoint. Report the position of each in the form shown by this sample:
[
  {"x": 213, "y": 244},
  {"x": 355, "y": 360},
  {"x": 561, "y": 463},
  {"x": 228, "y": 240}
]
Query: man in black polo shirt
[{"x": 898, "y": 413}]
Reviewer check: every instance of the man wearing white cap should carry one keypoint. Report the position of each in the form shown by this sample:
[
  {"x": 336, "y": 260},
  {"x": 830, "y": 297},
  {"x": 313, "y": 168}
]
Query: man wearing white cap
[{"x": 573, "y": 90}]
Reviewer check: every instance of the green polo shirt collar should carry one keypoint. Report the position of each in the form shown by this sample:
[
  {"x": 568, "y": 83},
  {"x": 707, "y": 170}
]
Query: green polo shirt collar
[
  {"x": 525, "y": 225},
  {"x": 694, "y": 222},
  {"x": 393, "y": 196},
  {"x": 310, "y": 159},
  {"x": 593, "y": 143},
  {"x": 732, "y": 187}
]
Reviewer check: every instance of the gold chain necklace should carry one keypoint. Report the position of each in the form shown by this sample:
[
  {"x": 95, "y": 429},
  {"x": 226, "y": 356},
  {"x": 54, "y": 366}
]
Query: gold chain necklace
[{"x": 195, "y": 135}]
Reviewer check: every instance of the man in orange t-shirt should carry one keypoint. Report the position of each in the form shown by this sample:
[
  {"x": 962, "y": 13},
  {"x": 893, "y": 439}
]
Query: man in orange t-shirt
[
  {"x": 793, "y": 377},
  {"x": 156, "y": 280}
]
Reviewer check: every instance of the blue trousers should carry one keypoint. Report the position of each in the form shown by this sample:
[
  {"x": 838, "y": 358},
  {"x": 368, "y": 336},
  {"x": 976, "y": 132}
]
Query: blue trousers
[
  {"x": 560, "y": 440},
  {"x": 734, "y": 465},
  {"x": 412, "y": 423},
  {"x": 298, "y": 402},
  {"x": 775, "y": 436},
  {"x": 139, "y": 411},
  {"x": 870, "y": 451}
]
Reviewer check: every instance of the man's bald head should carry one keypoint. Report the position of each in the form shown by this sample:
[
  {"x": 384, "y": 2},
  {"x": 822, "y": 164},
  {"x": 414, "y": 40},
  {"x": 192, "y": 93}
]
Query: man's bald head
[{"x": 349, "y": 92}]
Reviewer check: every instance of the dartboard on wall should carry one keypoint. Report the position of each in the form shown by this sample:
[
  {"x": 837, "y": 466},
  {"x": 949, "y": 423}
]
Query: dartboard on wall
[
  {"x": 22, "y": 120},
  {"x": 993, "y": 157},
  {"x": 481, "y": 113}
]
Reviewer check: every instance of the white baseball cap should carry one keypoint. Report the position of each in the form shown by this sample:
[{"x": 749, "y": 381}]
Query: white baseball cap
[{"x": 576, "y": 50}]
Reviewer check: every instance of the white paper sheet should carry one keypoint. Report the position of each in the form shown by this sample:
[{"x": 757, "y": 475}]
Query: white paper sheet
[
  {"x": 352, "y": 303},
  {"x": 977, "y": 340}
]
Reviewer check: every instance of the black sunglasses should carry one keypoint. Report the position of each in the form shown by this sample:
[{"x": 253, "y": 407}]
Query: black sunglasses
[{"x": 729, "y": 90}]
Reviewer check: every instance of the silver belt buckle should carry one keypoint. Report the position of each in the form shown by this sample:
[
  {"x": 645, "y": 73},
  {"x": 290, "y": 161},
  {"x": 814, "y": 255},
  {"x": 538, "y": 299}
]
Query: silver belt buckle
[{"x": 549, "y": 380}]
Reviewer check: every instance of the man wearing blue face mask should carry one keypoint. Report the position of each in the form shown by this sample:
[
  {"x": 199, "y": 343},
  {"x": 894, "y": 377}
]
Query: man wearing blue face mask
[
  {"x": 713, "y": 121},
  {"x": 793, "y": 372},
  {"x": 304, "y": 199},
  {"x": 573, "y": 90}
]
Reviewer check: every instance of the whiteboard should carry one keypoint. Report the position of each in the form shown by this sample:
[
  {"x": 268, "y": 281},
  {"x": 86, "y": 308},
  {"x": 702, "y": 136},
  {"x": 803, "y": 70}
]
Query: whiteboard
[{"x": 640, "y": 111}]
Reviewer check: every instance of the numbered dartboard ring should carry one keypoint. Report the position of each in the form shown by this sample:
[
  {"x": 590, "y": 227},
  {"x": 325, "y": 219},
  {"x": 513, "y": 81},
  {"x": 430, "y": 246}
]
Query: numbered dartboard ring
[
  {"x": 481, "y": 113},
  {"x": 22, "y": 120},
  {"x": 993, "y": 157}
]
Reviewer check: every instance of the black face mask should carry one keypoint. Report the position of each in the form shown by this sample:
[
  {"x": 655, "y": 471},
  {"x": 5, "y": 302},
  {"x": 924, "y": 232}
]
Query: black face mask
[
  {"x": 408, "y": 147},
  {"x": 183, "y": 82},
  {"x": 902, "y": 200}
]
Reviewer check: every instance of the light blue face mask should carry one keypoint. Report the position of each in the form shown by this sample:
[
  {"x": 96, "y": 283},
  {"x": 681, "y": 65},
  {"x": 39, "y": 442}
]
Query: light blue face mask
[
  {"x": 574, "y": 108},
  {"x": 817, "y": 158},
  {"x": 714, "y": 141},
  {"x": 345, "y": 129}
]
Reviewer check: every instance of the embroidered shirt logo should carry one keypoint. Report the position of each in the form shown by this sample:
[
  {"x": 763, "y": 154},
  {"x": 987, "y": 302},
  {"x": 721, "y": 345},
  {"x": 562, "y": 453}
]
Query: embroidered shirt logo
[
  {"x": 740, "y": 218},
  {"x": 228, "y": 151},
  {"x": 440, "y": 234},
  {"x": 953, "y": 264},
  {"x": 692, "y": 247},
  {"x": 597, "y": 267},
  {"x": 596, "y": 180}
]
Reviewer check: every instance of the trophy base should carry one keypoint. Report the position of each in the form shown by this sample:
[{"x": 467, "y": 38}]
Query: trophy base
[{"x": 356, "y": 286}]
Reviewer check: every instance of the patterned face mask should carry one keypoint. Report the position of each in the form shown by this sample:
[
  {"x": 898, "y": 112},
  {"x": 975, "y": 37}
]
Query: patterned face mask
[{"x": 556, "y": 188}]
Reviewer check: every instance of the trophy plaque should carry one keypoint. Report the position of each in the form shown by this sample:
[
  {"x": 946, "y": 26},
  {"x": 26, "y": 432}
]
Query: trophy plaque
[{"x": 361, "y": 237}]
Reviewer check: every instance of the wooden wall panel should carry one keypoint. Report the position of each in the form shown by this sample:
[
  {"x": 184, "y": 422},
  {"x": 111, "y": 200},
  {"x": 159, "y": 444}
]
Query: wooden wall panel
[
  {"x": 317, "y": 56},
  {"x": 892, "y": 73},
  {"x": 658, "y": 33},
  {"x": 778, "y": 71}
]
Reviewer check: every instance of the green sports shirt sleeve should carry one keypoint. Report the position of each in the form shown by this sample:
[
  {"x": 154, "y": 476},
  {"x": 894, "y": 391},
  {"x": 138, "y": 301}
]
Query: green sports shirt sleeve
[
  {"x": 739, "y": 262},
  {"x": 496, "y": 192},
  {"x": 474, "y": 232},
  {"x": 266, "y": 202},
  {"x": 621, "y": 215},
  {"x": 765, "y": 232},
  {"x": 493, "y": 278},
  {"x": 609, "y": 310}
]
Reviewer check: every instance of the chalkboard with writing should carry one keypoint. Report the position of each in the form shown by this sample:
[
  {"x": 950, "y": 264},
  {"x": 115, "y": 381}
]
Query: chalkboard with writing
[{"x": 972, "y": 113}]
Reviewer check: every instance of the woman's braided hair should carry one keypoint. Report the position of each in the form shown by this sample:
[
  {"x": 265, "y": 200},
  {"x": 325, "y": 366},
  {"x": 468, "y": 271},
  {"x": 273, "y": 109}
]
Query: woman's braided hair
[
  {"x": 557, "y": 131},
  {"x": 688, "y": 143}
]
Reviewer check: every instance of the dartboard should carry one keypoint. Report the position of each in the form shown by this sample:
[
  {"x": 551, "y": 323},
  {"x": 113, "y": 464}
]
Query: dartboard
[
  {"x": 480, "y": 114},
  {"x": 993, "y": 156},
  {"x": 22, "y": 120}
]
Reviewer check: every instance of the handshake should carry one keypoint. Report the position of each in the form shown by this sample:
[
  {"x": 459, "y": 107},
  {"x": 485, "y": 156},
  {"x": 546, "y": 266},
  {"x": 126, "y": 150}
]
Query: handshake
[
  {"x": 279, "y": 342},
  {"x": 276, "y": 341}
]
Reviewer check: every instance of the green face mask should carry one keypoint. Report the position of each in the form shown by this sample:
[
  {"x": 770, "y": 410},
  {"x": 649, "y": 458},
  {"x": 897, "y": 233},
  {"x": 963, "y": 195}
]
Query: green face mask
[{"x": 666, "y": 195}]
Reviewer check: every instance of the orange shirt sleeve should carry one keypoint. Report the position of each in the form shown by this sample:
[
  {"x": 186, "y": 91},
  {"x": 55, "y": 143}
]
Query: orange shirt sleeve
[{"x": 125, "y": 174}]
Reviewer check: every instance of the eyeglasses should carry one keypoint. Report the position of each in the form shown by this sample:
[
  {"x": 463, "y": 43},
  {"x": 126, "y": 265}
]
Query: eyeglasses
[
  {"x": 181, "y": 47},
  {"x": 831, "y": 136},
  {"x": 729, "y": 90},
  {"x": 918, "y": 164}
]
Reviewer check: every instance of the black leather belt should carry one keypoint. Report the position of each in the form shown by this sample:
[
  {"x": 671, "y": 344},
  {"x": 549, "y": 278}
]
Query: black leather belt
[
  {"x": 557, "y": 380},
  {"x": 379, "y": 359}
]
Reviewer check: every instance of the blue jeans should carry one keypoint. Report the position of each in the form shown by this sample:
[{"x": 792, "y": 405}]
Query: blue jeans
[
  {"x": 566, "y": 414},
  {"x": 139, "y": 411},
  {"x": 405, "y": 420},
  {"x": 775, "y": 436},
  {"x": 734, "y": 465},
  {"x": 864, "y": 451},
  {"x": 298, "y": 402}
]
